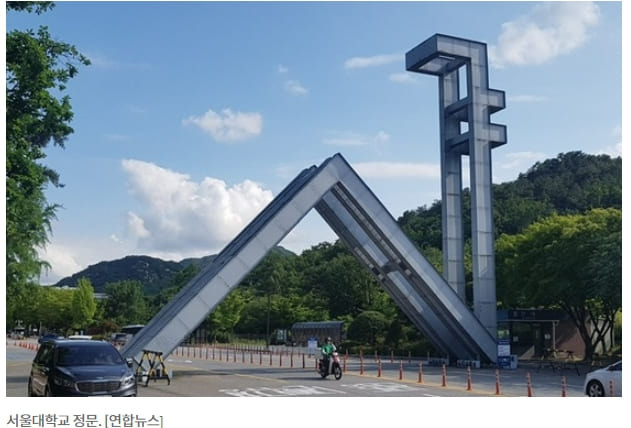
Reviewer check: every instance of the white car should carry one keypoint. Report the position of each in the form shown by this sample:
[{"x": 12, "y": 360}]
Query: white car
[{"x": 604, "y": 382}]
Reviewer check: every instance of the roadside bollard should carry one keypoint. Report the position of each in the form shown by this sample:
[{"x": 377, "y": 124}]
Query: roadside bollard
[
  {"x": 303, "y": 361},
  {"x": 528, "y": 385},
  {"x": 379, "y": 368},
  {"x": 497, "y": 382},
  {"x": 420, "y": 372},
  {"x": 469, "y": 386},
  {"x": 400, "y": 369},
  {"x": 361, "y": 365},
  {"x": 563, "y": 387},
  {"x": 444, "y": 375}
]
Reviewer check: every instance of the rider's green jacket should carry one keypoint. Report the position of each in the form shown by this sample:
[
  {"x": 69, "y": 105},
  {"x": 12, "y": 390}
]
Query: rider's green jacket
[{"x": 328, "y": 349}]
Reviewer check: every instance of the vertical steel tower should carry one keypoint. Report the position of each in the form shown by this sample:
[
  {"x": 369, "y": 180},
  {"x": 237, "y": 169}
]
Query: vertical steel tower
[{"x": 466, "y": 104}]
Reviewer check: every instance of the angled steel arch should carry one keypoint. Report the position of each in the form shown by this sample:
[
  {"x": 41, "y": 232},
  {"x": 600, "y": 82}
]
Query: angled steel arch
[{"x": 361, "y": 221}]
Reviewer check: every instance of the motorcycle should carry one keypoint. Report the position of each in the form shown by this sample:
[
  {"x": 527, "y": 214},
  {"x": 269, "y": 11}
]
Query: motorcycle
[{"x": 323, "y": 367}]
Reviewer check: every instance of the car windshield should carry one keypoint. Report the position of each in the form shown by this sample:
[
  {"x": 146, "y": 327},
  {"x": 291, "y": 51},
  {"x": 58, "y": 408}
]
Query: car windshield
[{"x": 77, "y": 355}]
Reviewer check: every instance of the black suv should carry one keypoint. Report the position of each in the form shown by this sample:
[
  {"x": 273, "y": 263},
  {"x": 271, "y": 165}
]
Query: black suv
[{"x": 80, "y": 368}]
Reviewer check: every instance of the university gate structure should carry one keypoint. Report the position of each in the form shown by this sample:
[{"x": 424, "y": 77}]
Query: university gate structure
[{"x": 435, "y": 303}]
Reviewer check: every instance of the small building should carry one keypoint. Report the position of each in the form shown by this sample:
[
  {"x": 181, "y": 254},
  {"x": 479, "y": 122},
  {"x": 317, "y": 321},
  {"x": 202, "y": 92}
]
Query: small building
[
  {"x": 533, "y": 331},
  {"x": 303, "y": 331}
]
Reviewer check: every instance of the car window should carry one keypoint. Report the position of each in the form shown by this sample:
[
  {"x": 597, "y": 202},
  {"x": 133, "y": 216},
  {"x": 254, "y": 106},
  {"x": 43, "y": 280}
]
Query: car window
[
  {"x": 616, "y": 367},
  {"x": 88, "y": 356},
  {"x": 44, "y": 354}
]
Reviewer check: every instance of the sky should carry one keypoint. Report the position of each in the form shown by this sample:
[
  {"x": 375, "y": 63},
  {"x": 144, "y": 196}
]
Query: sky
[{"x": 193, "y": 116}]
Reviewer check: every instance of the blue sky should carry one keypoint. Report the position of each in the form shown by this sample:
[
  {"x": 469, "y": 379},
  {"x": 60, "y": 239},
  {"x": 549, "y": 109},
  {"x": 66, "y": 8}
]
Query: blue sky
[{"x": 193, "y": 116}]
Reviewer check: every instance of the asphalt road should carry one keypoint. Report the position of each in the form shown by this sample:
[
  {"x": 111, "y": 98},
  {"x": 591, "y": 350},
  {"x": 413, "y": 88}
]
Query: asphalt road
[{"x": 253, "y": 375}]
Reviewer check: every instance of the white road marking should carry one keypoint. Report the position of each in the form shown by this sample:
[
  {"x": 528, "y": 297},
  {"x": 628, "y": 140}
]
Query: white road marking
[
  {"x": 381, "y": 387},
  {"x": 284, "y": 391}
]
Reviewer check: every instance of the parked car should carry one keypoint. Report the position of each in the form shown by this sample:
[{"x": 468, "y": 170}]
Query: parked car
[
  {"x": 120, "y": 339},
  {"x": 81, "y": 368},
  {"x": 80, "y": 337},
  {"x": 48, "y": 336},
  {"x": 604, "y": 382}
]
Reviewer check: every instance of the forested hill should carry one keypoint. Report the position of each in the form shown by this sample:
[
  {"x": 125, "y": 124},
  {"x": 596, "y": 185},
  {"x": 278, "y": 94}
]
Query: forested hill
[
  {"x": 154, "y": 274},
  {"x": 571, "y": 183}
]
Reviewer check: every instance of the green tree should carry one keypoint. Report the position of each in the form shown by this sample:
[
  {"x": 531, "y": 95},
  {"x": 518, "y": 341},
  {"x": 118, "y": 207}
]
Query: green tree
[
  {"x": 368, "y": 327},
  {"x": 38, "y": 69},
  {"x": 126, "y": 303},
  {"x": 53, "y": 309},
  {"x": 228, "y": 313},
  {"x": 570, "y": 262},
  {"x": 83, "y": 304}
]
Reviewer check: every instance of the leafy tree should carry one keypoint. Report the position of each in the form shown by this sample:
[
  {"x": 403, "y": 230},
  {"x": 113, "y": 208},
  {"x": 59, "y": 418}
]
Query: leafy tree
[
  {"x": 126, "y": 304},
  {"x": 570, "y": 262},
  {"x": 368, "y": 327},
  {"x": 177, "y": 283},
  {"x": 334, "y": 274},
  {"x": 83, "y": 304},
  {"x": 38, "y": 69},
  {"x": 53, "y": 308},
  {"x": 228, "y": 313}
]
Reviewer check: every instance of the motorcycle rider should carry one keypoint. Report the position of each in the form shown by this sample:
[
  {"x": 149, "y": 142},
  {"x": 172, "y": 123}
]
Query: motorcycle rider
[{"x": 327, "y": 350}]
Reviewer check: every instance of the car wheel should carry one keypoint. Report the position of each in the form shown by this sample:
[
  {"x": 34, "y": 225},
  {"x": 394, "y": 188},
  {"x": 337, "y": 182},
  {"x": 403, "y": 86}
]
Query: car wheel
[{"x": 595, "y": 389}]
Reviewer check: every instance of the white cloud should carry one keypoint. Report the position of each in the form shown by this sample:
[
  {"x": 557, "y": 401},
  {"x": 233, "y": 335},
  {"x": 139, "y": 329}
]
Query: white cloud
[
  {"x": 282, "y": 69},
  {"x": 348, "y": 139},
  {"x": 62, "y": 261},
  {"x": 403, "y": 77},
  {"x": 373, "y": 61},
  {"x": 616, "y": 149},
  {"x": 613, "y": 151},
  {"x": 182, "y": 217},
  {"x": 397, "y": 170},
  {"x": 549, "y": 30},
  {"x": 294, "y": 87},
  {"x": 228, "y": 126}
]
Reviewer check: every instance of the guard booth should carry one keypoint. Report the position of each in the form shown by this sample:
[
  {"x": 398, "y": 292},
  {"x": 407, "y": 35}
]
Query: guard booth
[
  {"x": 302, "y": 332},
  {"x": 533, "y": 332}
]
